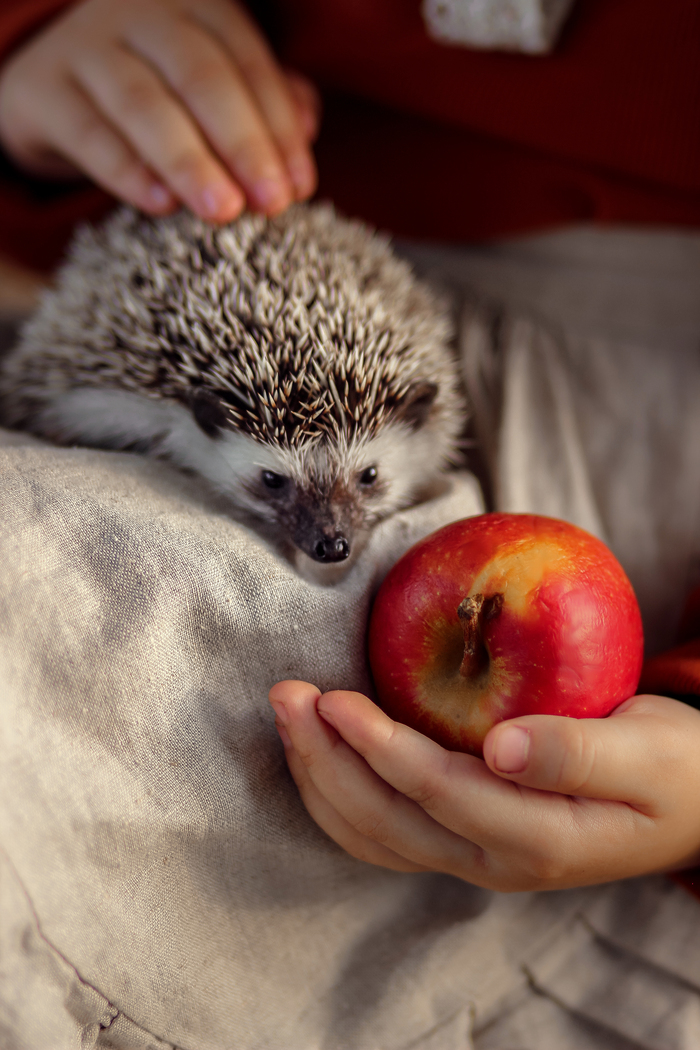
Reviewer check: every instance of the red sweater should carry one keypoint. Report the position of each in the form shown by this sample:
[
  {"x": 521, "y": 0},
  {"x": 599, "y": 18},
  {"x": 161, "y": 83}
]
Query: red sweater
[
  {"x": 456, "y": 144},
  {"x": 453, "y": 143}
]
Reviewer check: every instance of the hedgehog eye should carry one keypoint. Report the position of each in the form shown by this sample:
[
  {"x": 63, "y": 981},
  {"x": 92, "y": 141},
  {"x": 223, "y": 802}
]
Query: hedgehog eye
[
  {"x": 272, "y": 480},
  {"x": 369, "y": 476}
]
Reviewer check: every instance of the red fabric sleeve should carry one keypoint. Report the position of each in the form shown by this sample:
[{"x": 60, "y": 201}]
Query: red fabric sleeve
[
  {"x": 451, "y": 142},
  {"x": 37, "y": 217},
  {"x": 677, "y": 672},
  {"x": 19, "y": 19}
]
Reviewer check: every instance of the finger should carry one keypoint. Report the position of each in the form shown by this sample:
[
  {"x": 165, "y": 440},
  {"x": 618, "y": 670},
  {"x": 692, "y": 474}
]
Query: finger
[
  {"x": 268, "y": 84},
  {"x": 528, "y": 838},
  {"x": 366, "y": 802},
  {"x": 628, "y": 757},
  {"x": 336, "y": 827},
  {"x": 456, "y": 789},
  {"x": 75, "y": 129},
  {"x": 137, "y": 103},
  {"x": 517, "y": 828},
  {"x": 308, "y": 102},
  {"x": 203, "y": 75}
]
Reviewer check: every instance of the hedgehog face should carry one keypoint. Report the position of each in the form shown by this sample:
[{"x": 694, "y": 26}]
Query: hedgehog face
[
  {"x": 326, "y": 496},
  {"x": 329, "y": 486},
  {"x": 324, "y": 519},
  {"x": 321, "y": 496}
]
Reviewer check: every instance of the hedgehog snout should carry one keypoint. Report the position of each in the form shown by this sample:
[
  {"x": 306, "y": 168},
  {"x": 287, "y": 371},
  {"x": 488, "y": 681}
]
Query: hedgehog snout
[
  {"x": 330, "y": 544},
  {"x": 331, "y": 548},
  {"x": 323, "y": 531}
]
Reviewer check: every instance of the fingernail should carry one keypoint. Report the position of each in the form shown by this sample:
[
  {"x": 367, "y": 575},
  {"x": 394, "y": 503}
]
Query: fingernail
[
  {"x": 512, "y": 749},
  {"x": 217, "y": 199},
  {"x": 159, "y": 196},
  {"x": 270, "y": 193},
  {"x": 211, "y": 201},
  {"x": 303, "y": 174},
  {"x": 327, "y": 717},
  {"x": 284, "y": 735},
  {"x": 281, "y": 711}
]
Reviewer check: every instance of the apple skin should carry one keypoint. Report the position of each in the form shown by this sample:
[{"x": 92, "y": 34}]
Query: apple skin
[{"x": 559, "y": 631}]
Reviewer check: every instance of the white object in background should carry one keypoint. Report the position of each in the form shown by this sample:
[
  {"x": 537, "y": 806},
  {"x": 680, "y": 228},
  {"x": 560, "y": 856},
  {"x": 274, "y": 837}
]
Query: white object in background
[{"x": 531, "y": 26}]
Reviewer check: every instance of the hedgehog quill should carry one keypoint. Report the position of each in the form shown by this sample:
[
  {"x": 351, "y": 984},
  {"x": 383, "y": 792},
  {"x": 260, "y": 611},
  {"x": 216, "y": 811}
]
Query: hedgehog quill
[{"x": 295, "y": 363}]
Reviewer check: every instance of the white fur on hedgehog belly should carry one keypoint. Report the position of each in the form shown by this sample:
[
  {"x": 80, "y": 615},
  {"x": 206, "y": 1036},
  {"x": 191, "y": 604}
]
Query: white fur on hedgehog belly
[{"x": 231, "y": 462}]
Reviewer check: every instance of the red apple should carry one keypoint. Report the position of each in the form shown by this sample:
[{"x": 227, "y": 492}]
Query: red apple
[{"x": 503, "y": 615}]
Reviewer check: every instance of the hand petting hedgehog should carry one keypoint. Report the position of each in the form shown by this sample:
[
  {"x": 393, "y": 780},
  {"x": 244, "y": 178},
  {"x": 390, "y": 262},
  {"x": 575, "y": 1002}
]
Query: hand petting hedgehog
[{"x": 295, "y": 363}]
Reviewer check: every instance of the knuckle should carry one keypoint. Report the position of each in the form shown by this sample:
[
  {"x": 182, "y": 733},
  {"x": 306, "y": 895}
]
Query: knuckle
[
  {"x": 425, "y": 795},
  {"x": 578, "y": 760},
  {"x": 304, "y": 757},
  {"x": 124, "y": 168},
  {"x": 255, "y": 66},
  {"x": 543, "y": 862},
  {"x": 252, "y": 155},
  {"x": 371, "y": 826},
  {"x": 289, "y": 141},
  {"x": 308, "y": 757},
  {"x": 189, "y": 165},
  {"x": 88, "y": 133},
  {"x": 201, "y": 78},
  {"x": 543, "y": 870},
  {"x": 125, "y": 176},
  {"x": 137, "y": 96},
  {"x": 430, "y": 790}
]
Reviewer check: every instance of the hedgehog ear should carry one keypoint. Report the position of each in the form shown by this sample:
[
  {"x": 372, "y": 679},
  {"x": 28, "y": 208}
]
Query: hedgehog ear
[
  {"x": 209, "y": 412},
  {"x": 415, "y": 406}
]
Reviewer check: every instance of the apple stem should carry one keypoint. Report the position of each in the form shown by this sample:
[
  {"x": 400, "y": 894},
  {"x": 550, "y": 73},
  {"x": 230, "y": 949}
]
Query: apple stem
[{"x": 473, "y": 612}]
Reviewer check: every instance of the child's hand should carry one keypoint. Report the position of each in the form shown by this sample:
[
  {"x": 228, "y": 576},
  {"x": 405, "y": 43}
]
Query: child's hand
[
  {"x": 160, "y": 102},
  {"x": 589, "y": 800}
]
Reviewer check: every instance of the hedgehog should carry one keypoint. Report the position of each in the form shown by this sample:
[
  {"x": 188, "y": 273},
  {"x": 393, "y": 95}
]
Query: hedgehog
[{"x": 295, "y": 363}]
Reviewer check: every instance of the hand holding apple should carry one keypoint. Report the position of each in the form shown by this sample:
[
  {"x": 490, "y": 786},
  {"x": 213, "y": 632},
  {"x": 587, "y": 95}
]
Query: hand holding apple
[
  {"x": 520, "y": 615},
  {"x": 503, "y": 615},
  {"x": 556, "y": 802}
]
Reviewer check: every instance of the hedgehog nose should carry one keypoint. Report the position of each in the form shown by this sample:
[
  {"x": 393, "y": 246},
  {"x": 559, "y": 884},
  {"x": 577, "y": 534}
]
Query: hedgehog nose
[{"x": 331, "y": 548}]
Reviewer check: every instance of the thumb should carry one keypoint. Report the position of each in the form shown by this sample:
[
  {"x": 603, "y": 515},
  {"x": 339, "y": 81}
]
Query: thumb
[{"x": 621, "y": 757}]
